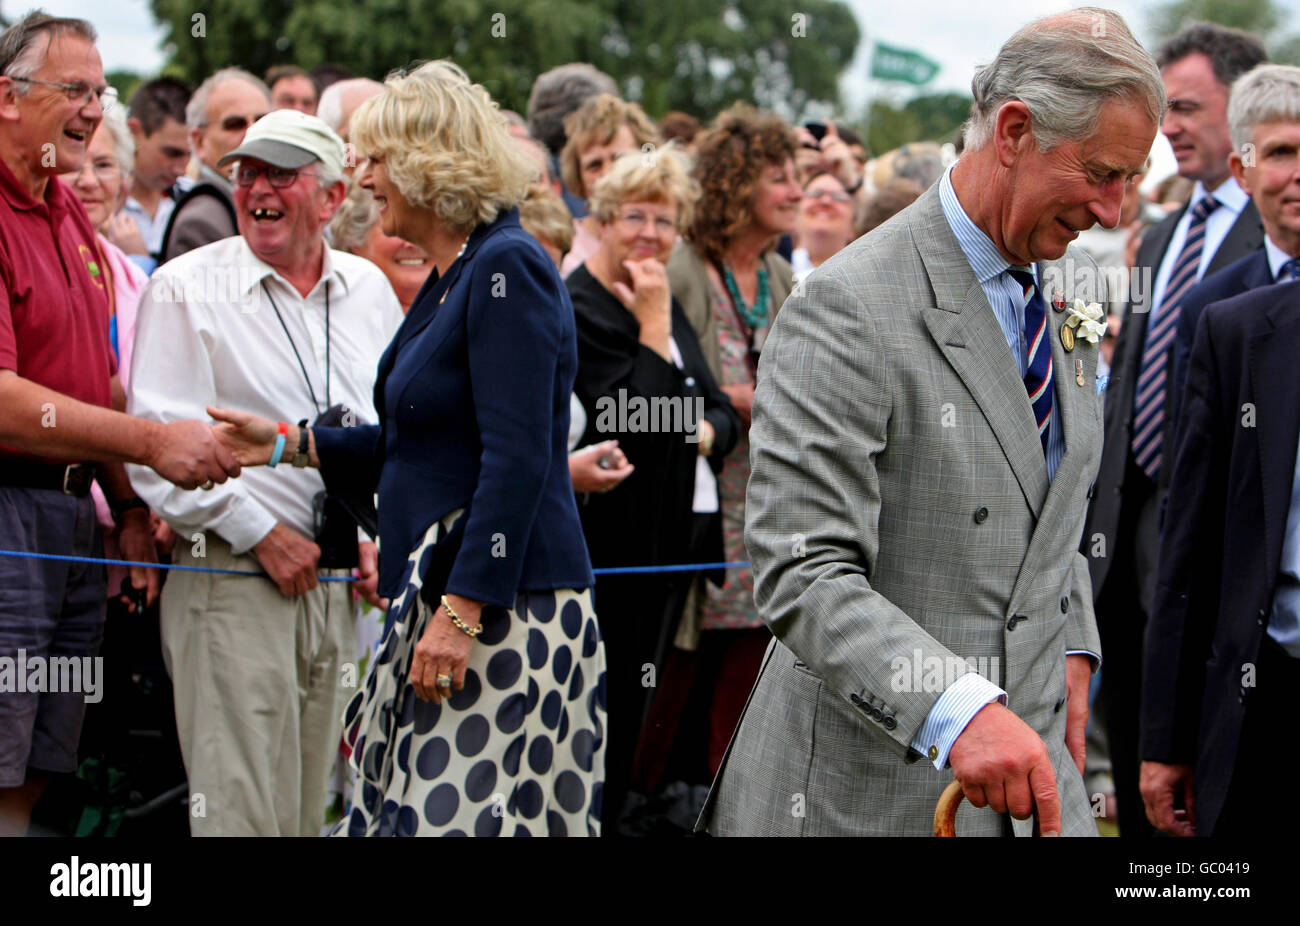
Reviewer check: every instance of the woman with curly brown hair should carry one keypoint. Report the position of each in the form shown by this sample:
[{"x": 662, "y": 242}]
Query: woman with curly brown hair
[
  {"x": 731, "y": 283},
  {"x": 599, "y": 131}
]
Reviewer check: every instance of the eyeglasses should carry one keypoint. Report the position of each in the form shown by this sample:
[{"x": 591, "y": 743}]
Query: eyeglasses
[
  {"x": 828, "y": 194},
  {"x": 103, "y": 169},
  {"x": 637, "y": 221},
  {"x": 238, "y": 123},
  {"x": 79, "y": 91},
  {"x": 278, "y": 177}
]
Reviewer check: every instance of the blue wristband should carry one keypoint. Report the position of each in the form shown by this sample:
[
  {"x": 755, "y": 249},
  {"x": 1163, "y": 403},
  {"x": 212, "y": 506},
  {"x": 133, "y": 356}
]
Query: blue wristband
[{"x": 277, "y": 452}]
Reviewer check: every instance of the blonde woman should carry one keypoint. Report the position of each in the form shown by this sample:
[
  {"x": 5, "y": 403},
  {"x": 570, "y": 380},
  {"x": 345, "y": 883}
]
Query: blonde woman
[
  {"x": 599, "y": 131},
  {"x": 483, "y": 713}
]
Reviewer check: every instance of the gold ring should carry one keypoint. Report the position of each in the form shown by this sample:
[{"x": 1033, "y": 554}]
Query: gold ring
[
  {"x": 207, "y": 485},
  {"x": 444, "y": 681}
]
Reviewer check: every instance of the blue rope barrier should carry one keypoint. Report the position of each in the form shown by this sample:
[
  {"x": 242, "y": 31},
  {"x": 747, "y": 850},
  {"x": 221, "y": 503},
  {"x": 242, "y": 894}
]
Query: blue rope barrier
[{"x": 610, "y": 570}]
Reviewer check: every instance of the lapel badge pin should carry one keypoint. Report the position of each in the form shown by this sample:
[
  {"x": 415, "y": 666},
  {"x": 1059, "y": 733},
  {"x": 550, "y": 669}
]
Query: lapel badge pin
[
  {"x": 1067, "y": 337},
  {"x": 1058, "y": 301},
  {"x": 1078, "y": 371}
]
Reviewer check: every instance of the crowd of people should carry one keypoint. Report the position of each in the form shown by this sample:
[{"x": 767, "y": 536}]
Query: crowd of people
[{"x": 388, "y": 371}]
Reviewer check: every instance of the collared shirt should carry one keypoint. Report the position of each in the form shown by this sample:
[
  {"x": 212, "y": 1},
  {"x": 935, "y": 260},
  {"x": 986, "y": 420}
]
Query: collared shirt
[
  {"x": 1284, "y": 621},
  {"x": 1005, "y": 296},
  {"x": 968, "y": 695},
  {"x": 1277, "y": 258},
  {"x": 152, "y": 226},
  {"x": 207, "y": 334},
  {"x": 54, "y": 304},
  {"x": 1232, "y": 199}
]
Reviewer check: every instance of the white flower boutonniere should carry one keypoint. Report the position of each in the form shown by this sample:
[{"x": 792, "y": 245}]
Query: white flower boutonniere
[{"x": 1088, "y": 320}]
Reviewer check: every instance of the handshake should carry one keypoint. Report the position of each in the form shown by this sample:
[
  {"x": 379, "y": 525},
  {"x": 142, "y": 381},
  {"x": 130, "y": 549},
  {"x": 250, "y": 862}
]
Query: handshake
[{"x": 193, "y": 454}]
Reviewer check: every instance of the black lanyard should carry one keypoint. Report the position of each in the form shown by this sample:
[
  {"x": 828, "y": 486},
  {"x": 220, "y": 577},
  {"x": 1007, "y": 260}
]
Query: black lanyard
[{"x": 301, "y": 365}]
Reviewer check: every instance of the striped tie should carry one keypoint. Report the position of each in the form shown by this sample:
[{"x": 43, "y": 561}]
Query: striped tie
[
  {"x": 1149, "y": 403},
  {"x": 1290, "y": 271},
  {"x": 1038, "y": 371}
]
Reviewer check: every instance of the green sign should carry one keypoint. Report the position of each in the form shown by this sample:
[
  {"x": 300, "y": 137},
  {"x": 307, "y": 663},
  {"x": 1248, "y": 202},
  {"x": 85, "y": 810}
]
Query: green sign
[{"x": 890, "y": 63}]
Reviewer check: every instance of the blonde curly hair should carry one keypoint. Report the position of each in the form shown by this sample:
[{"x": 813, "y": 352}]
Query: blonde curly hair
[
  {"x": 445, "y": 145},
  {"x": 661, "y": 176}
]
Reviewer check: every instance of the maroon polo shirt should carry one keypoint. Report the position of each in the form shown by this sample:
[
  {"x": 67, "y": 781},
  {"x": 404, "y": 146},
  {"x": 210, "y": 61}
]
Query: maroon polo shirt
[{"x": 54, "y": 302}]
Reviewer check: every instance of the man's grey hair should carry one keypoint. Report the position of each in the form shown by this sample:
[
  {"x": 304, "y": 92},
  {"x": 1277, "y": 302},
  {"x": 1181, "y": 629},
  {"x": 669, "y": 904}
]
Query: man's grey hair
[
  {"x": 558, "y": 92},
  {"x": 330, "y": 106},
  {"x": 196, "y": 111},
  {"x": 1065, "y": 69},
  {"x": 25, "y": 45},
  {"x": 1269, "y": 93},
  {"x": 123, "y": 142}
]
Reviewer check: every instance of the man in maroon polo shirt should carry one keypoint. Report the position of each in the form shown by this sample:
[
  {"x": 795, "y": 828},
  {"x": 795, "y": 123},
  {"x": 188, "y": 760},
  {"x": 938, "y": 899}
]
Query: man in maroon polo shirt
[{"x": 58, "y": 426}]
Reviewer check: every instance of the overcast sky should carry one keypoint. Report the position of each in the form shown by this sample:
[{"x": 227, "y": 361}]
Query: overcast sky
[{"x": 958, "y": 34}]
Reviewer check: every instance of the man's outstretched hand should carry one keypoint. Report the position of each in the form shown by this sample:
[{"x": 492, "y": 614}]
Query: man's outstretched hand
[
  {"x": 189, "y": 455},
  {"x": 1003, "y": 764}
]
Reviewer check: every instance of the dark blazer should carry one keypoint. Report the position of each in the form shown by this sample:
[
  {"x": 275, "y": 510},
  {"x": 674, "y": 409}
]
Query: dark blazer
[
  {"x": 1246, "y": 235},
  {"x": 1250, "y": 272},
  {"x": 646, "y": 519},
  {"x": 1230, "y": 493},
  {"x": 473, "y": 395}
]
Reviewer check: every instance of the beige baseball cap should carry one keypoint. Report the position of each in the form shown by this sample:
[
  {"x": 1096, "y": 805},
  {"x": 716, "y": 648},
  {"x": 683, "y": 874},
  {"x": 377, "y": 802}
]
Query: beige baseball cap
[{"x": 290, "y": 139}]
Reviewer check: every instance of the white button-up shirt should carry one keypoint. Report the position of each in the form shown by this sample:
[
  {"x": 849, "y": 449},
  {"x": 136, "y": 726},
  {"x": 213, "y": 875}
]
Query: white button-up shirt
[{"x": 207, "y": 334}]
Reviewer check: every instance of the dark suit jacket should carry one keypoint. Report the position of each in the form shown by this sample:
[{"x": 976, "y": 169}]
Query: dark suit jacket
[
  {"x": 1246, "y": 234},
  {"x": 473, "y": 395},
  {"x": 1250, "y": 272},
  {"x": 646, "y": 519},
  {"x": 1230, "y": 493}
]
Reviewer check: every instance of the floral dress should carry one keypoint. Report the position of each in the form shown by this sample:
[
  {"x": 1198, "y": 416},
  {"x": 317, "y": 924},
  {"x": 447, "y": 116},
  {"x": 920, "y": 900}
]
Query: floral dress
[
  {"x": 732, "y": 607},
  {"x": 520, "y": 751}
]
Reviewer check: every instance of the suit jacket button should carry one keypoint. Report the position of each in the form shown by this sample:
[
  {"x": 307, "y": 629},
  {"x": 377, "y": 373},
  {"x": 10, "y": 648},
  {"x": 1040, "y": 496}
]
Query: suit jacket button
[
  {"x": 1065, "y": 604},
  {"x": 981, "y": 514},
  {"x": 934, "y": 753},
  {"x": 877, "y": 714},
  {"x": 855, "y": 699},
  {"x": 890, "y": 723},
  {"x": 1015, "y": 619}
]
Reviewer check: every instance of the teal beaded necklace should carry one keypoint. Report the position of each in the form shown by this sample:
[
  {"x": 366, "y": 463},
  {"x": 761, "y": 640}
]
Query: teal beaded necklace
[{"x": 756, "y": 315}]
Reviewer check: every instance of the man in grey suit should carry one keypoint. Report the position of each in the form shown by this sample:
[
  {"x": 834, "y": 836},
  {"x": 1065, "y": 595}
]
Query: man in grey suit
[
  {"x": 926, "y": 427},
  {"x": 1220, "y": 225}
]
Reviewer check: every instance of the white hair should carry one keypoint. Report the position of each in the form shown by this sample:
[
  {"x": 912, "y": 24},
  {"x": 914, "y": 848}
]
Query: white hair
[
  {"x": 330, "y": 106},
  {"x": 123, "y": 143},
  {"x": 1269, "y": 93},
  {"x": 1065, "y": 69}
]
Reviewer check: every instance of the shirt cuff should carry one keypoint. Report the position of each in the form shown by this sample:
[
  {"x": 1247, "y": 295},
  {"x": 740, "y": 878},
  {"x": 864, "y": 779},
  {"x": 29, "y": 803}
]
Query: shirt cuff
[
  {"x": 246, "y": 526},
  {"x": 1096, "y": 660},
  {"x": 956, "y": 707}
]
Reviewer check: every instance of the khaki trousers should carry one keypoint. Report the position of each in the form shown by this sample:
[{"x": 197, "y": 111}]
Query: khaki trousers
[{"x": 261, "y": 682}]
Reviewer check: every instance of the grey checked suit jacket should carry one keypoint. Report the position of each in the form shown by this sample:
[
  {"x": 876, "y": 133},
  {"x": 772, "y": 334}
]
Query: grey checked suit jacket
[{"x": 899, "y": 504}]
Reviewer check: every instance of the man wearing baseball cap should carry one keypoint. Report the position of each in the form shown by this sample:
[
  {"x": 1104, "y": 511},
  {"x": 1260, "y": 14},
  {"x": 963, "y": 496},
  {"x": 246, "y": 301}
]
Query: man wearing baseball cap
[{"x": 275, "y": 322}]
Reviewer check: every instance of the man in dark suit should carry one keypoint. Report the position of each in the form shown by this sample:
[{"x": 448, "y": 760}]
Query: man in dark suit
[
  {"x": 1222, "y": 668},
  {"x": 1266, "y": 139},
  {"x": 1218, "y": 226}
]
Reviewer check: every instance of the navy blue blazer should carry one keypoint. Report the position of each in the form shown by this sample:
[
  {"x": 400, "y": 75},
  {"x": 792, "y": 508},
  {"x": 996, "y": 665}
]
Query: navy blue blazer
[
  {"x": 473, "y": 394},
  {"x": 1221, "y": 547},
  {"x": 1250, "y": 272}
]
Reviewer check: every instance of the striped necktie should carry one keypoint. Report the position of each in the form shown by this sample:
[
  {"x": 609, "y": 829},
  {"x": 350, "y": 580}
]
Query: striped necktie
[
  {"x": 1149, "y": 403},
  {"x": 1038, "y": 371},
  {"x": 1290, "y": 271}
]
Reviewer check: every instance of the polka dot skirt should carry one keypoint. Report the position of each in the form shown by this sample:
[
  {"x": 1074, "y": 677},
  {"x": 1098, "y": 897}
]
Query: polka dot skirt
[{"x": 520, "y": 751}]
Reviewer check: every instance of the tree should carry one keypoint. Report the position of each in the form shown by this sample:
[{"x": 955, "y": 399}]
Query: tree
[
  {"x": 932, "y": 117},
  {"x": 1262, "y": 18},
  {"x": 694, "y": 56}
]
